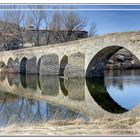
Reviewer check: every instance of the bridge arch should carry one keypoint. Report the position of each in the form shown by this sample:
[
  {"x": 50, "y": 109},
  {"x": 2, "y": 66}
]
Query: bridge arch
[
  {"x": 23, "y": 65},
  {"x": 13, "y": 65},
  {"x": 97, "y": 64},
  {"x": 38, "y": 65},
  {"x": 63, "y": 64},
  {"x": 10, "y": 62}
]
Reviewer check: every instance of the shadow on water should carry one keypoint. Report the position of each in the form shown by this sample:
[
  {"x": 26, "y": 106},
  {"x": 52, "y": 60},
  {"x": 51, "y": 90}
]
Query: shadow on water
[
  {"x": 63, "y": 88},
  {"x": 23, "y": 80}
]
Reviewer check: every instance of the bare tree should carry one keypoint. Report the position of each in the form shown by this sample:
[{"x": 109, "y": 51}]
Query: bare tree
[
  {"x": 71, "y": 23},
  {"x": 5, "y": 28},
  {"x": 48, "y": 27},
  {"x": 59, "y": 26},
  {"x": 12, "y": 27},
  {"x": 93, "y": 30},
  {"x": 53, "y": 21},
  {"x": 17, "y": 18},
  {"x": 29, "y": 33},
  {"x": 36, "y": 17}
]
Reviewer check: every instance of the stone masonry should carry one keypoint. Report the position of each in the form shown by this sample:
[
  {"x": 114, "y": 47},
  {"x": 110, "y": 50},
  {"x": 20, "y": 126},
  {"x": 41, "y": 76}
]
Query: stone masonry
[{"x": 86, "y": 57}]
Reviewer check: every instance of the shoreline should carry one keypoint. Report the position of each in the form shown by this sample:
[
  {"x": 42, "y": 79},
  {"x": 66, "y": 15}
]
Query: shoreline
[{"x": 102, "y": 127}]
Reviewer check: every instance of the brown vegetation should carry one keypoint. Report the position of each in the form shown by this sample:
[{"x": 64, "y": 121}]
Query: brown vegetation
[{"x": 102, "y": 127}]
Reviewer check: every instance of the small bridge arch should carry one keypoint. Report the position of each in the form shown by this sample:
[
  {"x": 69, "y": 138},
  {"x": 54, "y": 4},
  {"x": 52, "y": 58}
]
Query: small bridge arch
[{"x": 23, "y": 65}]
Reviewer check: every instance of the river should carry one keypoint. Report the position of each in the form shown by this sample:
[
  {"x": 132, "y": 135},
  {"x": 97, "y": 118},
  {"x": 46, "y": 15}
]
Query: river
[{"x": 34, "y": 98}]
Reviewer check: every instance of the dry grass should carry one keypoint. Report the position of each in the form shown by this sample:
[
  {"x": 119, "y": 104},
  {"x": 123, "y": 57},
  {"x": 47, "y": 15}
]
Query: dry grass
[{"x": 100, "y": 127}]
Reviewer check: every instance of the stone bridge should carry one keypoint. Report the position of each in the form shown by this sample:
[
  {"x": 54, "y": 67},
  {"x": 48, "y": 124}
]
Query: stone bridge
[{"x": 81, "y": 58}]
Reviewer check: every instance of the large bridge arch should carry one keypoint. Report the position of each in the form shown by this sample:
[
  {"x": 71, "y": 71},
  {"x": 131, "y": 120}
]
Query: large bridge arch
[{"x": 98, "y": 62}]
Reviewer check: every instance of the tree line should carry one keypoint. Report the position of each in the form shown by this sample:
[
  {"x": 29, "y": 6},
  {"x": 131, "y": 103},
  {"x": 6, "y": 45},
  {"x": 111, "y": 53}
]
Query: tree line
[{"x": 14, "y": 25}]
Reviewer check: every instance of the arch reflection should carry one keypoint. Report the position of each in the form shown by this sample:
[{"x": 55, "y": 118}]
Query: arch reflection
[
  {"x": 67, "y": 92},
  {"x": 97, "y": 89}
]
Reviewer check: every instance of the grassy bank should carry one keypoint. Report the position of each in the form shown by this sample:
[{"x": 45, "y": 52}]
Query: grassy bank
[{"x": 102, "y": 127}]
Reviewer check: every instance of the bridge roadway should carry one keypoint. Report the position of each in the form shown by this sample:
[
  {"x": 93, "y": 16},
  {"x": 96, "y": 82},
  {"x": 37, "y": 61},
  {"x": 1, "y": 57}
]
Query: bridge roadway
[{"x": 80, "y": 58}]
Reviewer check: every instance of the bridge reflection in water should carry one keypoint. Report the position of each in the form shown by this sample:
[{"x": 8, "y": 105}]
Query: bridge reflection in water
[{"x": 33, "y": 98}]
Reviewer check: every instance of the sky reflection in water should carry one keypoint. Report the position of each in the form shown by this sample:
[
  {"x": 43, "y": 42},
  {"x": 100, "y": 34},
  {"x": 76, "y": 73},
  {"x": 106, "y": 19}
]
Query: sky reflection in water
[
  {"x": 117, "y": 93},
  {"x": 125, "y": 90}
]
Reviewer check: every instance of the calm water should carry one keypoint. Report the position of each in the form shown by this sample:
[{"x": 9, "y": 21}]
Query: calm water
[{"x": 33, "y": 98}]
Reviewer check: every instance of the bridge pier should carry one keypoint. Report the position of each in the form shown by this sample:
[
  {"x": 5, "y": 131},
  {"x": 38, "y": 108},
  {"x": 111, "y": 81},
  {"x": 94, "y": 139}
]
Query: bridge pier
[
  {"x": 75, "y": 66},
  {"x": 49, "y": 65},
  {"x": 31, "y": 66}
]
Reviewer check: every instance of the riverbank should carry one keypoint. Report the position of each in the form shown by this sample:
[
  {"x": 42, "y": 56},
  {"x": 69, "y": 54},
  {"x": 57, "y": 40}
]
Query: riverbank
[{"x": 105, "y": 127}]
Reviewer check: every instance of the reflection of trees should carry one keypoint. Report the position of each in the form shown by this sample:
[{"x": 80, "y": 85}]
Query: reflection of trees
[
  {"x": 120, "y": 78},
  {"x": 14, "y": 109},
  {"x": 21, "y": 109},
  {"x": 116, "y": 82},
  {"x": 120, "y": 86}
]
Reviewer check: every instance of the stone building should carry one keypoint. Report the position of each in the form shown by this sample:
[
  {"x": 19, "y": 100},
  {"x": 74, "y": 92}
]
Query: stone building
[
  {"x": 53, "y": 36},
  {"x": 12, "y": 36}
]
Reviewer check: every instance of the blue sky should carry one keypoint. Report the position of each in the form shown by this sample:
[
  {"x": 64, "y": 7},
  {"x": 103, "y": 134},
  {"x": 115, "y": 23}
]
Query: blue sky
[
  {"x": 113, "y": 21},
  {"x": 109, "y": 21}
]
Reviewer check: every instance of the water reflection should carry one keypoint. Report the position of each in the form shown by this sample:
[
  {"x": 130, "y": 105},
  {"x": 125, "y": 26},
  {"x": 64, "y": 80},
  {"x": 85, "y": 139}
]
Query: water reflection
[
  {"x": 63, "y": 88},
  {"x": 124, "y": 88},
  {"x": 16, "y": 109},
  {"x": 75, "y": 88},
  {"x": 49, "y": 85},
  {"x": 31, "y": 81},
  {"x": 33, "y": 98},
  {"x": 98, "y": 91}
]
